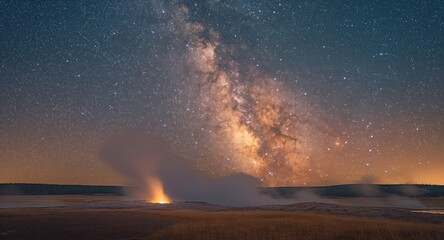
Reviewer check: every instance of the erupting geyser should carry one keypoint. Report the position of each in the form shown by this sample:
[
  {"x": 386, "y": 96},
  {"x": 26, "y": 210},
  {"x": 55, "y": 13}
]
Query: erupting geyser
[
  {"x": 157, "y": 176},
  {"x": 157, "y": 194}
]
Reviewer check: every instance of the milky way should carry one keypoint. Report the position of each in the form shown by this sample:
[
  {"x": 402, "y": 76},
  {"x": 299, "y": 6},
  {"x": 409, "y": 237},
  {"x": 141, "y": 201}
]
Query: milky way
[
  {"x": 262, "y": 128},
  {"x": 290, "y": 92}
]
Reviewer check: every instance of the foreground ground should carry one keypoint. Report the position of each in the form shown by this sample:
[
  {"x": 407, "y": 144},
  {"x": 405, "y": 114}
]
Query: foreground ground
[{"x": 191, "y": 224}]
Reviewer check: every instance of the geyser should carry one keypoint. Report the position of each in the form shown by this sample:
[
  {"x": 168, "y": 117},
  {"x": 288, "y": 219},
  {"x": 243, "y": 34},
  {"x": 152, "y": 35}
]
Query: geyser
[
  {"x": 157, "y": 193},
  {"x": 159, "y": 177}
]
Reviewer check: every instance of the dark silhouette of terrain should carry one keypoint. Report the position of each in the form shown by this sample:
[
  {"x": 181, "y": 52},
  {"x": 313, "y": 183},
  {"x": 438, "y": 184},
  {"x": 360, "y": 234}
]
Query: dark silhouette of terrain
[
  {"x": 57, "y": 189},
  {"x": 350, "y": 190},
  {"x": 360, "y": 190}
]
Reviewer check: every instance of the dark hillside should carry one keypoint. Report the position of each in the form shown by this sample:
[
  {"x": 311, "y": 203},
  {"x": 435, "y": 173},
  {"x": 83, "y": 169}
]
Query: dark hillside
[{"x": 55, "y": 189}]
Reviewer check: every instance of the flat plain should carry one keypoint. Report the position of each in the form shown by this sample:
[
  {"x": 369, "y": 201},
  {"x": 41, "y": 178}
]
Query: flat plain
[{"x": 106, "y": 219}]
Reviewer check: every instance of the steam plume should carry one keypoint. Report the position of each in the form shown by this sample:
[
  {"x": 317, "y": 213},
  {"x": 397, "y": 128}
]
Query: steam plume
[{"x": 144, "y": 161}]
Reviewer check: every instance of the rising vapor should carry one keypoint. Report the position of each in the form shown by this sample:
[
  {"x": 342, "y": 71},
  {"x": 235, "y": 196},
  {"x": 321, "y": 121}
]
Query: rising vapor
[{"x": 145, "y": 161}]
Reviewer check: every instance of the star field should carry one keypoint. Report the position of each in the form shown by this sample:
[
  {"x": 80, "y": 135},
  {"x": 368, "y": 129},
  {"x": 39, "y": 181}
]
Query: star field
[{"x": 290, "y": 92}]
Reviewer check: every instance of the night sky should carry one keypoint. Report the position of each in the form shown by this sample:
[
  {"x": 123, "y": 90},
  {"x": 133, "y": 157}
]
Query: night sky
[{"x": 290, "y": 92}]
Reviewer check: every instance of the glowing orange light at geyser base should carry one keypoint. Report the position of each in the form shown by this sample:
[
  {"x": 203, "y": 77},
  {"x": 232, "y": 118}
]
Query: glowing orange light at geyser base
[{"x": 157, "y": 195}]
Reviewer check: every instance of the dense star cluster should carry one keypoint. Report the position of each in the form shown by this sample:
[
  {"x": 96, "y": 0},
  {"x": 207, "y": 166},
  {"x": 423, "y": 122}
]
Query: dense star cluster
[{"x": 290, "y": 92}]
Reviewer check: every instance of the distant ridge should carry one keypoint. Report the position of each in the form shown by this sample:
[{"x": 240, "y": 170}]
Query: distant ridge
[
  {"x": 58, "y": 189},
  {"x": 347, "y": 190},
  {"x": 359, "y": 190}
]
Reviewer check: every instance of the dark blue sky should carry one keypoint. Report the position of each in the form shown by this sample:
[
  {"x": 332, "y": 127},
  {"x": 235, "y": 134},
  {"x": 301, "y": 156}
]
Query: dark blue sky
[{"x": 363, "y": 81}]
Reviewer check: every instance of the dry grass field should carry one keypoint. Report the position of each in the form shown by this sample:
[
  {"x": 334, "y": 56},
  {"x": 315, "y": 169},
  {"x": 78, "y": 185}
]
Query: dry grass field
[
  {"x": 272, "y": 225},
  {"x": 244, "y": 225}
]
